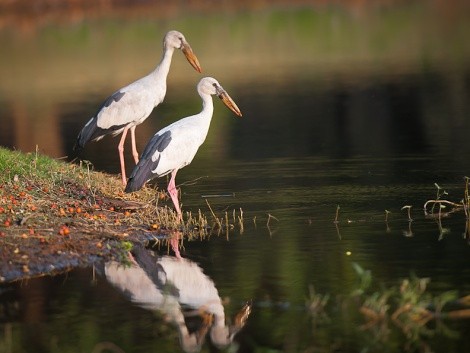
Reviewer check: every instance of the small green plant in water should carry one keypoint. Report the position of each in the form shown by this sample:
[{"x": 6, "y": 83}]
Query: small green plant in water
[
  {"x": 466, "y": 200},
  {"x": 337, "y": 214},
  {"x": 439, "y": 193},
  {"x": 365, "y": 280},
  {"x": 126, "y": 245},
  {"x": 408, "y": 307},
  {"x": 408, "y": 207},
  {"x": 316, "y": 303}
]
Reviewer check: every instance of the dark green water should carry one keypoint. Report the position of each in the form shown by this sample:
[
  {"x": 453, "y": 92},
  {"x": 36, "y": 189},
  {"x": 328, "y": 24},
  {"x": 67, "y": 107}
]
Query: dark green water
[{"x": 338, "y": 110}]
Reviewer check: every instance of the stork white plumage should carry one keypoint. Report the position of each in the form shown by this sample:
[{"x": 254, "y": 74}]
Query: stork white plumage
[
  {"x": 132, "y": 104},
  {"x": 175, "y": 146}
]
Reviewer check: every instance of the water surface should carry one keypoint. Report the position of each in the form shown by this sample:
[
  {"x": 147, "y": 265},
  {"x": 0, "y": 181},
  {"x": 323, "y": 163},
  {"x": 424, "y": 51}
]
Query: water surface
[{"x": 339, "y": 110}]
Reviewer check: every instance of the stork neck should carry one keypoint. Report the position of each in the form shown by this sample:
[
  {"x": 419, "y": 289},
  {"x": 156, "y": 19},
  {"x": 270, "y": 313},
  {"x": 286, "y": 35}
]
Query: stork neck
[
  {"x": 164, "y": 66},
  {"x": 207, "y": 106}
]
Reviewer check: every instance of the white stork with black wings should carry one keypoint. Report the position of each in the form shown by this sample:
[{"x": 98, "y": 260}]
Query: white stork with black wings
[
  {"x": 175, "y": 146},
  {"x": 132, "y": 104}
]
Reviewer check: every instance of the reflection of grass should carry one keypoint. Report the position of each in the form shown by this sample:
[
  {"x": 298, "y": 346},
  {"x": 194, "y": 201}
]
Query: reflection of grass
[{"x": 407, "y": 308}]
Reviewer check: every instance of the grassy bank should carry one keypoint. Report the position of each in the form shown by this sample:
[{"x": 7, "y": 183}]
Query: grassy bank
[{"x": 56, "y": 215}]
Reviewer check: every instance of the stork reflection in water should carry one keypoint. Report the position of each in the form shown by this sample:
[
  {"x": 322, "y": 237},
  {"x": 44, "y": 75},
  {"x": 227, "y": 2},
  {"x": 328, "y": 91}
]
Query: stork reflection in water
[{"x": 178, "y": 289}]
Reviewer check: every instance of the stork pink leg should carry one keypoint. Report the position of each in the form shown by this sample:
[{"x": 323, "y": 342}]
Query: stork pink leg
[
  {"x": 121, "y": 155},
  {"x": 174, "y": 193},
  {"x": 134, "y": 148},
  {"x": 174, "y": 242}
]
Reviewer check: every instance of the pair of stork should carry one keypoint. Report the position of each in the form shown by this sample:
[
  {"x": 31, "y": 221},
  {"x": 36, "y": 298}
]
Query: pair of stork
[{"x": 174, "y": 146}]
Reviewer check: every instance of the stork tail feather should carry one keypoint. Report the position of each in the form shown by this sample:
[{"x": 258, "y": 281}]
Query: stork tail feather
[
  {"x": 88, "y": 133},
  {"x": 141, "y": 174}
]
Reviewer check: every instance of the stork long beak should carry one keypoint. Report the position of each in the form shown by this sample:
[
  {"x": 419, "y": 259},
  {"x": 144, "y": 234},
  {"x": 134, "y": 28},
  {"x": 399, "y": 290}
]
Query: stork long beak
[
  {"x": 188, "y": 52},
  {"x": 228, "y": 101}
]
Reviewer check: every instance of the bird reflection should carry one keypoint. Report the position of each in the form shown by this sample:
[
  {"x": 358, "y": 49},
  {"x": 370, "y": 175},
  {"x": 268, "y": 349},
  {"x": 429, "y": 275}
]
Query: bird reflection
[{"x": 172, "y": 286}]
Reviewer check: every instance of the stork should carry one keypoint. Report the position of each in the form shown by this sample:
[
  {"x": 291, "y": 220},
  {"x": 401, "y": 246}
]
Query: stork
[
  {"x": 131, "y": 105},
  {"x": 175, "y": 146}
]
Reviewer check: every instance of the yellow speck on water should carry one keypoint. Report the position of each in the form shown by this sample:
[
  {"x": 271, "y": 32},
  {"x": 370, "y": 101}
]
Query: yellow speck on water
[{"x": 348, "y": 253}]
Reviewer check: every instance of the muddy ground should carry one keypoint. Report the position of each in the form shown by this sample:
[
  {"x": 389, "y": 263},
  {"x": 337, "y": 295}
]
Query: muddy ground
[{"x": 43, "y": 231}]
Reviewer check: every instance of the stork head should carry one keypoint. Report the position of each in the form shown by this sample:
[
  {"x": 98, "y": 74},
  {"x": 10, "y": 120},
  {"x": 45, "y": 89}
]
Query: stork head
[
  {"x": 211, "y": 86},
  {"x": 176, "y": 40}
]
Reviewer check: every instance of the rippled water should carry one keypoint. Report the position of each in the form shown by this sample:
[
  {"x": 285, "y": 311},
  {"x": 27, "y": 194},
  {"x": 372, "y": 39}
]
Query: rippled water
[{"x": 368, "y": 135}]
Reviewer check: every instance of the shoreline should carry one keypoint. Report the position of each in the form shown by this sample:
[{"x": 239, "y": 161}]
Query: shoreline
[{"x": 55, "y": 216}]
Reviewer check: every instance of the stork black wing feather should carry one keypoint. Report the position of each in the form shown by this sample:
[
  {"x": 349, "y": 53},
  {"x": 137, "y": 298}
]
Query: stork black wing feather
[
  {"x": 91, "y": 130},
  {"x": 143, "y": 170},
  {"x": 156, "y": 143}
]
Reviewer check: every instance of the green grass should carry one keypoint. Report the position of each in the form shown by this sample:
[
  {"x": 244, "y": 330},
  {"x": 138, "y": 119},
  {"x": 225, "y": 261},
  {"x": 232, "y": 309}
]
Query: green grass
[
  {"x": 16, "y": 163},
  {"x": 56, "y": 207}
]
